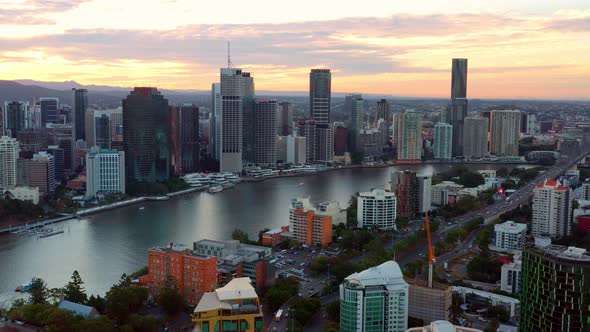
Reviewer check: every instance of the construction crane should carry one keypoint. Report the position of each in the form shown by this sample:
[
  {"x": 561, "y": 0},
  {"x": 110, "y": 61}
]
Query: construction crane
[{"x": 431, "y": 257}]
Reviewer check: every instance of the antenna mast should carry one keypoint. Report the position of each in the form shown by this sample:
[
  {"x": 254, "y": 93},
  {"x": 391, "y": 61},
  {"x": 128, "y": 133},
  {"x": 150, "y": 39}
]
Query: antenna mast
[{"x": 229, "y": 64}]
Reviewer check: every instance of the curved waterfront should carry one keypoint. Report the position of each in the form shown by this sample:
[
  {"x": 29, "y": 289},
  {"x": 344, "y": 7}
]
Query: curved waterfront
[{"x": 103, "y": 246}]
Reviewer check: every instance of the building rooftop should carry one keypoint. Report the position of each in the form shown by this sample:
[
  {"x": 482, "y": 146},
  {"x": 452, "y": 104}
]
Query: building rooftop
[
  {"x": 510, "y": 227},
  {"x": 236, "y": 290},
  {"x": 566, "y": 253},
  {"x": 79, "y": 309},
  {"x": 387, "y": 273},
  {"x": 552, "y": 184}
]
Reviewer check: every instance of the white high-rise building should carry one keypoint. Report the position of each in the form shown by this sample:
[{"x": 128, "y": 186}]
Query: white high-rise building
[
  {"x": 376, "y": 209},
  {"x": 509, "y": 235},
  {"x": 443, "y": 141},
  {"x": 105, "y": 172},
  {"x": 505, "y": 132},
  {"x": 375, "y": 299},
  {"x": 9, "y": 150},
  {"x": 552, "y": 210},
  {"x": 232, "y": 91},
  {"x": 424, "y": 194},
  {"x": 475, "y": 137}
]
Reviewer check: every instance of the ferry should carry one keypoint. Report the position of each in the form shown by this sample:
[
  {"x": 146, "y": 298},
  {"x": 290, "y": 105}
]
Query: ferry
[{"x": 215, "y": 189}]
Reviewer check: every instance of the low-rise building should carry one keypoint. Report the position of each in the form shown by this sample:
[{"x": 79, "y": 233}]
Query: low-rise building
[
  {"x": 442, "y": 326},
  {"x": 310, "y": 224},
  {"x": 509, "y": 235},
  {"x": 24, "y": 193},
  {"x": 234, "y": 307},
  {"x": 276, "y": 236},
  {"x": 429, "y": 304},
  {"x": 441, "y": 191}
]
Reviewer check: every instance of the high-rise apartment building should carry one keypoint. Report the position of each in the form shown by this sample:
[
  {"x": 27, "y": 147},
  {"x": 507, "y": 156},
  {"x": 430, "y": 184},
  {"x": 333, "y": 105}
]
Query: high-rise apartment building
[
  {"x": 80, "y": 108},
  {"x": 195, "y": 274},
  {"x": 216, "y": 117},
  {"x": 509, "y": 235},
  {"x": 354, "y": 106},
  {"x": 552, "y": 210},
  {"x": 14, "y": 117},
  {"x": 232, "y": 92},
  {"x": 9, "y": 150},
  {"x": 285, "y": 119},
  {"x": 475, "y": 137},
  {"x": 555, "y": 294},
  {"x": 320, "y": 92},
  {"x": 376, "y": 209},
  {"x": 505, "y": 133},
  {"x": 146, "y": 135},
  {"x": 375, "y": 299},
  {"x": 324, "y": 140},
  {"x": 409, "y": 137},
  {"x": 424, "y": 194},
  {"x": 265, "y": 137},
  {"x": 443, "y": 139},
  {"x": 458, "y": 109},
  {"x": 49, "y": 108},
  {"x": 405, "y": 184},
  {"x": 310, "y": 224},
  {"x": 105, "y": 172}
]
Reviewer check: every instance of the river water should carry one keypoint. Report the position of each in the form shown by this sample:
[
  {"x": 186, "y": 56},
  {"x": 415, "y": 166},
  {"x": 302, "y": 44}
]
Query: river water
[{"x": 103, "y": 246}]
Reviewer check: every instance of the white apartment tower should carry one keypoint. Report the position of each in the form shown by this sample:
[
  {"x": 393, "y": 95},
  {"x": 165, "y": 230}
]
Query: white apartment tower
[
  {"x": 232, "y": 90},
  {"x": 9, "y": 150},
  {"x": 509, "y": 235},
  {"x": 105, "y": 172},
  {"x": 552, "y": 210},
  {"x": 424, "y": 195},
  {"x": 376, "y": 209}
]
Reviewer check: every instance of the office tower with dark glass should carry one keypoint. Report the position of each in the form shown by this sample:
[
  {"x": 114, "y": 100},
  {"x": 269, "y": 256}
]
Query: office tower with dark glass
[
  {"x": 248, "y": 119},
  {"x": 102, "y": 131},
  {"x": 285, "y": 119},
  {"x": 188, "y": 116},
  {"x": 14, "y": 117},
  {"x": 80, "y": 107},
  {"x": 320, "y": 90},
  {"x": 458, "y": 110},
  {"x": 49, "y": 110},
  {"x": 354, "y": 107},
  {"x": 266, "y": 132},
  {"x": 232, "y": 91},
  {"x": 146, "y": 135}
]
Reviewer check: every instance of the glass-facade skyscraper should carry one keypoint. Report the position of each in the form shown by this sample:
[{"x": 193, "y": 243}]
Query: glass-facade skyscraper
[
  {"x": 320, "y": 90},
  {"x": 49, "y": 110},
  {"x": 459, "y": 103},
  {"x": 14, "y": 117},
  {"x": 80, "y": 107}
]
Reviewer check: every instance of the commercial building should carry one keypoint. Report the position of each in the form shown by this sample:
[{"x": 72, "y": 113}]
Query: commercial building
[
  {"x": 216, "y": 117},
  {"x": 14, "y": 117},
  {"x": 184, "y": 134},
  {"x": 442, "y": 191},
  {"x": 384, "y": 112},
  {"x": 285, "y": 119},
  {"x": 9, "y": 150},
  {"x": 555, "y": 295},
  {"x": 102, "y": 131},
  {"x": 275, "y": 236},
  {"x": 443, "y": 141},
  {"x": 265, "y": 117},
  {"x": 376, "y": 210},
  {"x": 375, "y": 299},
  {"x": 105, "y": 172},
  {"x": 320, "y": 93},
  {"x": 80, "y": 108},
  {"x": 510, "y": 279},
  {"x": 311, "y": 224},
  {"x": 146, "y": 135},
  {"x": 236, "y": 259},
  {"x": 59, "y": 160},
  {"x": 340, "y": 139},
  {"x": 424, "y": 194},
  {"x": 24, "y": 193},
  {"x": 552, "y": 210},
  {"x": 40, "y": 172},
  {"x": 429, "y": 304},
  {"x": 324, "y": 140},
  {"x": 475, "y": 137},
  {"x": 232, "y": 92},
  {"x": 234, "y": 307},
  {"x": 291, "y": 149},
  {"x": 194, "y": 274},
  {"x": 33, "y": 139},
  {"x": 509, "y": 235},
  {"x": 354, "y": 106},
  {"x": 443, "y": 326},
  {"x": 477, "y": 296},
  {"x": 458, "y": 109},
  {"x": 409, "y": 137},
  {"x": 505, "y": 133},
  {"x": 404, "y": 185},
  {"x": 49, "y": 108}
]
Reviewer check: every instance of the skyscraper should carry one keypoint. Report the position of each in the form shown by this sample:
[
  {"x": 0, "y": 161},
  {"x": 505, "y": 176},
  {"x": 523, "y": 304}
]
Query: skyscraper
[
  {"x": 59, "y": 162},
  {"x": 555, "y": 294},
  {"x": 307, "y": 129},
  {"x": 146, "y": 135},
  {"x": 249, "y": 119},
  {"x": 9, "y": 150},
  {"x": 552, "y": 210},
  {"x": 375, "y": 299},
  {"x": 324, "y": 143},
  {"x": 505, "y": 133},
  {"x": 384, "y": 112},
  {"x": 49, "y": 110},
  {"x": 232, "y": 91},
  {"x": 458, "y": 109},
  {"x": 265, "y": 115},
  {"x": 105, "y": 172},
  {"x": 14, "y": 117},
  {"x": 475, "y": 137},
  {"x": 409, "y": 137},
  {"x": 102, "y": 131},
  {"x": 80, "y": 107},
  {"x": 354, "y": 106},
  {"x": 405, "y": 185},
  {"x": 188, "y": 116},
  {"x": 285, "y": 119},
  {"x": 216, "y": 117},
  {"x": 443, "y": 137},
  {"x": 424, "y": 194},
  {"x": 320, "y": 90},
  {"x": 41, "y": 172}
]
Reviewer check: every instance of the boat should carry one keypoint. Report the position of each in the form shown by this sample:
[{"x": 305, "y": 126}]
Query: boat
[
  {"x": 215, "y": 189},
  {"x": 24, "y": 287},
  {"x": 142, "y": 207},
  {"x": 51, "y": 234}
]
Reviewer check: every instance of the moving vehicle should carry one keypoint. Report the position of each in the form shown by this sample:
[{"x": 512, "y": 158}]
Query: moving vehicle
[{"x": 279, "y": 315}]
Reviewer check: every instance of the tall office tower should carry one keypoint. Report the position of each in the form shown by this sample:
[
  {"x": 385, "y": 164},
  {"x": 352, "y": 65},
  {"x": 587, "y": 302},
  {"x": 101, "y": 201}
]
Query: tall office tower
[
  {"x": 175, "y": 148},
  {"x": 324, "y": 143},
  {"x": 116, "y": 118},
  {"x": 14, "y": 117},
  {"x": 9, "y": 150},
  {"x": 188, "y": 116},
  {"x": 216, "y": 117},
  {"x": 475, "y": 137},
  {"x": 320, "y": 90},
  {"x": 248, "y": 119},
  {"x": 146, "y": 135},
  {"x": 443, "y": 139},
  {"x": 340, "y": 139},
  {"x": 354, "y": 106},
  {"x": 265, "y": 147},
  {"x": 232, "y": 91},
  {"x": 424, "y": 194},
  {"x": 63, "y": 138},
  {"x": 376, "y": 210},
  {"x": 49, "y": 108},
  {"x": 41, "y": 172},
  {"x": 285, "y": 119},
  {"x": 458, "y": 109},
  {"x": 384, "y": 112},
  {"x": 375, "y": 299},
  {"x": 80, "y": 107},
  {"x": 505, "y": 133},
  {"x": 409, "y": 137},
  {"x": 59, "y": 161},
  {"x": 552, "y": 210},
  {"x": 307, "y": 129},
  {"x": 555, "y": 294},
  {"x": 102, "y": 131},
  {"x": 105, "y": 172},
  {"x": 405, "y": 184}
]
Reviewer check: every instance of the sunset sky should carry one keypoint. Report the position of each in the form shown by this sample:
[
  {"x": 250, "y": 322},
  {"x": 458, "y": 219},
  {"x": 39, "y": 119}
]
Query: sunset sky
[{"x": 516, "y": 49}]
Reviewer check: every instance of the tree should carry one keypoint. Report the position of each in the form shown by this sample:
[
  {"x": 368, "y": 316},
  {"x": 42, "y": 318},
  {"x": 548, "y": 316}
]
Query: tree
[
  {"x": 170, "y": 299},
  {"x": 333, "y": 311},
  {"x": 351, "y": 211},
  {"x": 124, "y": 299},
  {"x": 38, "y": 291},
  {"x": 143, "y": 323},
  {"x": 74, "y": 290},
  {"x": 502, "y": 172},
  {"x": 240, "y": 235},
  {"x": 281, "y": 291},
  {"x": 305, "y": 309},
  {"x": 97, "y": 302}
]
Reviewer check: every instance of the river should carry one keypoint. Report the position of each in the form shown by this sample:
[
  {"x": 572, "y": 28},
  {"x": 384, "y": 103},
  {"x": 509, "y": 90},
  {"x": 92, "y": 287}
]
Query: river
[{"x": 104, "y": 246}]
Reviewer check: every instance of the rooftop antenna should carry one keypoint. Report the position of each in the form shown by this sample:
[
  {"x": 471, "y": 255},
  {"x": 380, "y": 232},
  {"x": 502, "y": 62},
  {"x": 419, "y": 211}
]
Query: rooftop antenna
[{"x": 229, "y": 64}]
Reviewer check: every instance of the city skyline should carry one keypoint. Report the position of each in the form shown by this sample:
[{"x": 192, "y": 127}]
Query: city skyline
[{"x": 381, "y": 48}]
